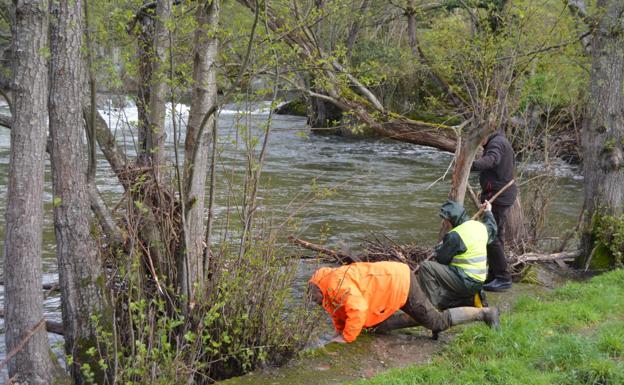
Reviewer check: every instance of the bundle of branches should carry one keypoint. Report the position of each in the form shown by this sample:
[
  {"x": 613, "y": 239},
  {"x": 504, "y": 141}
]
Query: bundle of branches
[
  {"x": 379, "y": 248},
  {"x": 376, "y": 248},
  {"x": 382, "y": 248}
]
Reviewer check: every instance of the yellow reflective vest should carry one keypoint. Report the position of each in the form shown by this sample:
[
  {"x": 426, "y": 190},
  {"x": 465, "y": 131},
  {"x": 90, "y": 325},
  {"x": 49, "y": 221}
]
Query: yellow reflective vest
[{"x": 474, "y": 261}]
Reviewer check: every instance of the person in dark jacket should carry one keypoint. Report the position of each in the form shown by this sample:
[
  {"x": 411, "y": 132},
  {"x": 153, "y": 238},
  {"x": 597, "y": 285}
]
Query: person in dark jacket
[
  {"x": 496, "y": 169},
  {"x": 460, "y": 265}
]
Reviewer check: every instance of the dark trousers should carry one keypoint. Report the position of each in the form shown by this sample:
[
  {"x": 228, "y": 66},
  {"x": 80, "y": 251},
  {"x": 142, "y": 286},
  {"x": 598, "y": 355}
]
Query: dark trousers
[
  {"x": 421, "y": 310},
  {"x": 444, "y": 287},
  {"x": 497, "y": 263}
]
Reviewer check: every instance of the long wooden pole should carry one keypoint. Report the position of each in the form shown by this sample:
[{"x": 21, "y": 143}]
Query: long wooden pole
[{"x": 502, "y": 190}]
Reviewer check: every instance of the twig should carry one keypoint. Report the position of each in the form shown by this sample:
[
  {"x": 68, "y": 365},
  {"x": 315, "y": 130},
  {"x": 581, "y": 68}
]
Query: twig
[
  {"x": 569, "y": 235},
  {"x": 473, "y": 196},
  {"x": 46, "y": 286},
  {"x": 591, "y": 255},
  {"x": 51, "y": 326},
  {"x": 443, "y": 176},
  {"x": 341, "y": 257}
]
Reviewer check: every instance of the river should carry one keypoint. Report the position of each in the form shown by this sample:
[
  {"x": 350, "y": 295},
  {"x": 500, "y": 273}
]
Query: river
[{"x": 378, "y": 185}]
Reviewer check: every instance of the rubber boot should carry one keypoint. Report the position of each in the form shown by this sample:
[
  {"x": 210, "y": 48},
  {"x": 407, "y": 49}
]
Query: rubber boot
[
  {"x": 396, "y": 321},
  {"x": 462, "y": 315}
]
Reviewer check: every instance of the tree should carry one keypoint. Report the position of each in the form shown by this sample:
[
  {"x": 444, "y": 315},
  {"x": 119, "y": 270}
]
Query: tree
[
  {"x": 33, "y": 364},
  {"x": 81, "y": 277},
  {"x": 603, "y": 141},
  {"x": 201, "y": 126}
]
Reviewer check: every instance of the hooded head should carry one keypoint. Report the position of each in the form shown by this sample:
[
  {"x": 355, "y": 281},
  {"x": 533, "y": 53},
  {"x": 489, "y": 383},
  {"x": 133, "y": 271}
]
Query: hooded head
[
  {"x": 453, "y": 212},
  {"x": 318, "y": 284}
]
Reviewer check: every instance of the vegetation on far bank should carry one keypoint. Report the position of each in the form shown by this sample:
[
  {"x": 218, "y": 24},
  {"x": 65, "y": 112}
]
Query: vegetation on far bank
[{"x": 574, "y": 335}]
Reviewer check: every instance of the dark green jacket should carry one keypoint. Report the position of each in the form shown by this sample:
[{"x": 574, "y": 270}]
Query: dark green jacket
[{"x": 452, "y": 243}]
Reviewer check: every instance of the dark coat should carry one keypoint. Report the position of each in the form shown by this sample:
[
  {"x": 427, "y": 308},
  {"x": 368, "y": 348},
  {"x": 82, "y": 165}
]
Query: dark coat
[{"x": 496, "y": 169}]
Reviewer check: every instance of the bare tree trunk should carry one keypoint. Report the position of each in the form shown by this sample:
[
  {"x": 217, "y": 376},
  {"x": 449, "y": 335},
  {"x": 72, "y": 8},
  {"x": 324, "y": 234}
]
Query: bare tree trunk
[
  {"x": 515, "y": 230},
  {"x": 144, "y": 52},
  {"x": 33, "y": 364},
  {"x": 603, "y": 132},
  {"x": 355, "y": 26},
  {"x": 464, "y": 156},
  {"x": 463, "y": 161},
  {"x": 155, "y": 144},
  {"x": 80, "y": 274},
  {"x": 410, "y": 12},
  {"x": 418, "y": 54},
  {"x": 195, "y": 170},
  {"x": 152, "y": 45}
]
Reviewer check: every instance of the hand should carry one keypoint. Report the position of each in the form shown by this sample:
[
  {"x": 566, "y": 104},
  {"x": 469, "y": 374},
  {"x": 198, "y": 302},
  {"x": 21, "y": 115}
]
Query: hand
[
  {"x": 339, "y": 338},
  {"x": 487, "y": 206}
]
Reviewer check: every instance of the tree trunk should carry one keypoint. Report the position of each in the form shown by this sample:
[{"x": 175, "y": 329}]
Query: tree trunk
[
  {"x": 603, "y": 136},
  {"x": 33, "y": 364},
  {"x": 195, "y": 170},
  {"x": 152, "y": 43},
  {"x": 144, "y": 52},
  {"x": 360, "y": 15},
  {"x": 155, "y": 144},
  {"x": 515, "y": 230},
  {"x": 464, "y": 156},
  {"x": 323, "y": 114},
  {"x": 463, "y": 161},
  {"x": 80, "y": 273},
  {"x": 419, "y": 55}
]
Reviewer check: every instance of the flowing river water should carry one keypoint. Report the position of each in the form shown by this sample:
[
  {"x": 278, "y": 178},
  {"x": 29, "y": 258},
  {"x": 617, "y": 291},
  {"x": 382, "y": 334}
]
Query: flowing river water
[{"x": 375, "y": 185}]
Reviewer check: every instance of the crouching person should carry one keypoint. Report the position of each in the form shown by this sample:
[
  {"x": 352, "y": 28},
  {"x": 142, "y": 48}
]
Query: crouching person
[
  {"x": 363, "y": 295},
  {"x": 460, "y": 265}
]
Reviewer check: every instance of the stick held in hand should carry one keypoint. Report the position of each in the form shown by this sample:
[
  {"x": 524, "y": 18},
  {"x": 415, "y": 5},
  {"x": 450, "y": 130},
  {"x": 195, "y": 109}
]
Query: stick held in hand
[{"x": 502, "y": 190}]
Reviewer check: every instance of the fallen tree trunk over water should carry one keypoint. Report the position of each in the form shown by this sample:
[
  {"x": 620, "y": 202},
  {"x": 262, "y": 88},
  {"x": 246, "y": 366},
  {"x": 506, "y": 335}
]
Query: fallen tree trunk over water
[{"x": 565, "y": 256}]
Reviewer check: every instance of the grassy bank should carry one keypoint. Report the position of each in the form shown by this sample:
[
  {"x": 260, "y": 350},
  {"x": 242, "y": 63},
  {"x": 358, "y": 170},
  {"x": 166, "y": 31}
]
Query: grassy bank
[{"x": 574, "y": 335}]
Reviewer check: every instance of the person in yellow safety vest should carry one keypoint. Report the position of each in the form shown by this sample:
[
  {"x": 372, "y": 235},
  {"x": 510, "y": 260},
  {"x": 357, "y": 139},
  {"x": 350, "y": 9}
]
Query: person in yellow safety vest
[{"x": 460, "y": 265}]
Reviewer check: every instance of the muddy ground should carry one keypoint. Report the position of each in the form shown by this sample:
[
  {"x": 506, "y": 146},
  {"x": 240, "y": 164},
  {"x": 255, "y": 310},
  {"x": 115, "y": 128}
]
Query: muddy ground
[{"x": 372, "y": 354}]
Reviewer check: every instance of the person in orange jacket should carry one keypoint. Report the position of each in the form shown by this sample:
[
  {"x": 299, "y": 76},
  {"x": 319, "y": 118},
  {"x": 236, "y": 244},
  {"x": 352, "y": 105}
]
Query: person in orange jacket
[{"x": 365, "y": 294}]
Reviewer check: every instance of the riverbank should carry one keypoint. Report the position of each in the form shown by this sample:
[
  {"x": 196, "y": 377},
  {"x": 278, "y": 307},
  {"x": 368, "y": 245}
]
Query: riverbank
[
  {"x": 574, "y": 335},
  {"x": 393, "y": 356}
]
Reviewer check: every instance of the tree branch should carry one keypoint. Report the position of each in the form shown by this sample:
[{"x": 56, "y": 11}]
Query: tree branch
[
  {"x": 108, "y": 144},
  {"x": 360, "y": 87},
  {"x": 104, "y": 216},
  {"x": 5, "y": 121}
]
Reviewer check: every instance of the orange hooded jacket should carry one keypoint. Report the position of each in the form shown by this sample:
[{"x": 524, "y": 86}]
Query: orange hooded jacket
[{"x": 362, "y": 294}]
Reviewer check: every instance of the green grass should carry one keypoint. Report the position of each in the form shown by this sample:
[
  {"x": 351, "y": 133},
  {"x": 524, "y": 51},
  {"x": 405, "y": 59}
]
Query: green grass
[{"x": 573, "y": 336}]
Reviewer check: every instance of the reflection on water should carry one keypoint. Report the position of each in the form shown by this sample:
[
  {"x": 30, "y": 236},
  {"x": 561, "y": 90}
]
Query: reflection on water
[{"x": 378, "y": 185}]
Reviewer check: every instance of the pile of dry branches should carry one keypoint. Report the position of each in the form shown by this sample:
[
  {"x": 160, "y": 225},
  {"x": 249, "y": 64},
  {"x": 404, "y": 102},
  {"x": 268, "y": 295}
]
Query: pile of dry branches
[
  {"x": 377, "y": 248},
  {"x": 381, "y": 248}
]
